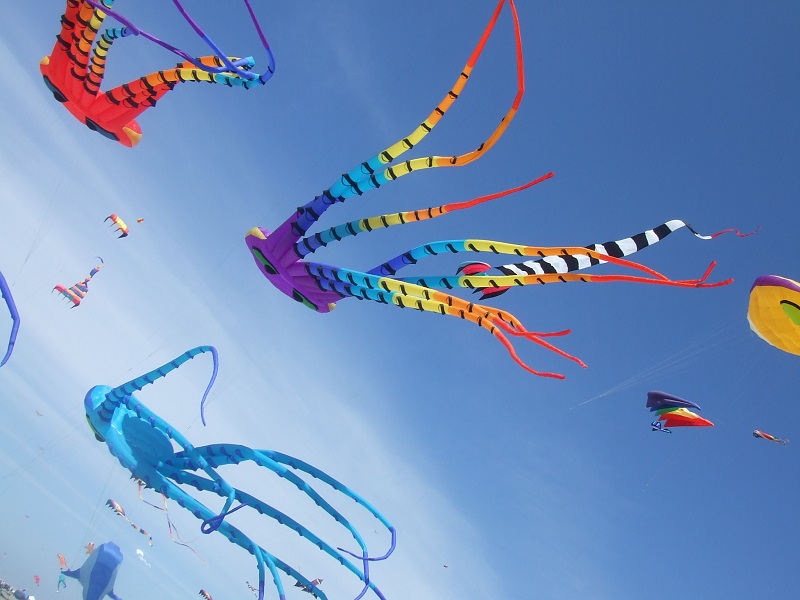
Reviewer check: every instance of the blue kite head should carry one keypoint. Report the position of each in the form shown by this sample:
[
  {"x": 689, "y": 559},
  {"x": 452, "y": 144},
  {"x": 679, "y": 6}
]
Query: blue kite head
[{"x": 93, "y": 405}]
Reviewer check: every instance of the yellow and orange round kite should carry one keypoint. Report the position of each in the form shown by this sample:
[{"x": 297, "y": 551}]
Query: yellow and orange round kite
[{"x": 774, "y": 312}]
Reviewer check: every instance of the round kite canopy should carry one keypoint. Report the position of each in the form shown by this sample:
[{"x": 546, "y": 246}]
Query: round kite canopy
[{"x": 774, "y": 312}]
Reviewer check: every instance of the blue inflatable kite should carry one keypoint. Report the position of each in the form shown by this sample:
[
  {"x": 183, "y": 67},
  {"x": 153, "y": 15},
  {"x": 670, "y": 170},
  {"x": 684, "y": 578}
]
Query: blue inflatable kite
[
  {"x": 143, "y": 444},
  {"x": 98, "y": 573}
]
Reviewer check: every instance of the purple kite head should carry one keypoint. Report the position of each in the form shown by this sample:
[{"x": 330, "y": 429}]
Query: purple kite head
[{"x": 277, "y": 261}]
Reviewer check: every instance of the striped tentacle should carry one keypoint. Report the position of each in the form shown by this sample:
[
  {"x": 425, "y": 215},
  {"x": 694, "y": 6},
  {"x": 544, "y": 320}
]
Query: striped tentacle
[
  {"x": 364, "y": 173},
  {"x": 85, "y": 24},
  {"x": 144, "y": 92},
  {"x": 618, "y": 248},
  {"x": 408, "y": 295},
  {"x": 481, "y": 282},
  {"x": 64, "y": 39},
  {"x": 235, "y": 67},
  {"x": 373, "y": 173},
  {"x": 310, "y": 244},
  {"x": 471, "y": 245},
  {"x": 126, "y": 389},
  {"x": 97, "y": 68},
  {"x": 82, "y": 44},
  {"x": 231, "y": 64}
]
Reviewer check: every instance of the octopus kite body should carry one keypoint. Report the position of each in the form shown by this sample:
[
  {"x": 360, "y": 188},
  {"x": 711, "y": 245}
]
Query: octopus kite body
[
  {"x": 280, "y": 254},
  {"x": 74, "y": 71},
  {"x": 145, "y": 445}
]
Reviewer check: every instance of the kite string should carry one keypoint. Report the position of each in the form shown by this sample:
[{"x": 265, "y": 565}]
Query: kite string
[
  {"x": 677, "y": 359},
  {"x": 83, "y": 541},
  {"x": 170, "y": 524}
]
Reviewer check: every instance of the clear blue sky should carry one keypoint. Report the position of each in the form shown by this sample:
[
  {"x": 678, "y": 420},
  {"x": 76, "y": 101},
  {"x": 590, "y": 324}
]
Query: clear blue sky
[{"x": 680, "y": 110}]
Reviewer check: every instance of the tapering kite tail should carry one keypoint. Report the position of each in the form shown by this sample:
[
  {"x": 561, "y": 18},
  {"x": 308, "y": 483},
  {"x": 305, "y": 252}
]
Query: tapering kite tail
[
  {"x": 310, "y": 244},
  {"x": 75, "y": 78},
  {"x": 579, "y": 261},
  {"x": 419, "y": 293},
  {"x": 5, "y": 291},
  {"x": 174, "y": 535},
  {"x": 374, "y": 172},
  {"x": 119, "y": 510}
]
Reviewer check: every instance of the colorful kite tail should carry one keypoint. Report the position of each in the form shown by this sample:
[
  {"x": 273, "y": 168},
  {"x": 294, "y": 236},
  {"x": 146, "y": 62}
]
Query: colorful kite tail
[
  {"x": 374, "y": 172},
  {"x": 310, "y": 244}
]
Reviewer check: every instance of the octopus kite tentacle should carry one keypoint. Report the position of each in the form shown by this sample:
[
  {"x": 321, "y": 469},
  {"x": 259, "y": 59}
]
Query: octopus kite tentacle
[
  {"x": 374, "y": 172},
  {"x": 369, "y": 286},
  {"x": 237, "y": 67},
  {"x": 135, "y": 385},
  {"x": 143, "y": 443},
  {"x": 220, "y": 454},
  {"x": 576, "y": 262},
  {"x": 5, "y": 291},
  {"x": 310, "y": 244},
  {"x": 113, "y": 505},
  {"x": 75, "y": 79}
]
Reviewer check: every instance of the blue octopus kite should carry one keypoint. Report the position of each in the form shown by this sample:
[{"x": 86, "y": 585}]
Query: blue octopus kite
[{"x": 143, "y": 444}]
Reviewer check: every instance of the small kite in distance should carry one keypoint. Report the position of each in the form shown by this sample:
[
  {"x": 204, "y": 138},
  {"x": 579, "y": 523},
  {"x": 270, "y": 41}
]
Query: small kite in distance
[
  {"x": 673, "y": 412},
  {"x": 311, "y": 588},
  {"x": 140, "y": 554},
  {"x": 760, "y": 434},
  {"x": 122, "y": 227}
]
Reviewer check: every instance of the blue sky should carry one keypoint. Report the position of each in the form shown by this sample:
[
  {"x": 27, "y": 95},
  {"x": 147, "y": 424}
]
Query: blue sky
[{"x": 523, "y": 486}]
